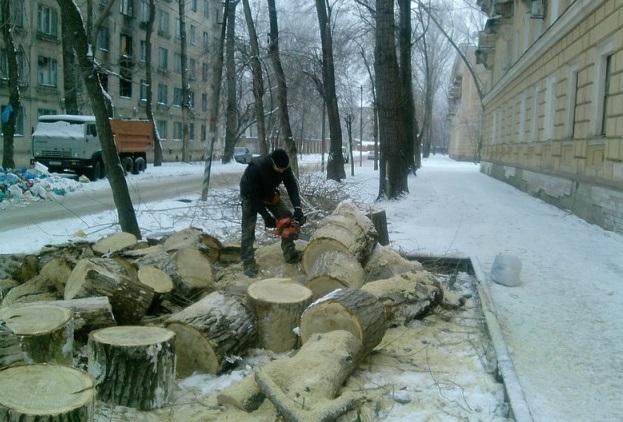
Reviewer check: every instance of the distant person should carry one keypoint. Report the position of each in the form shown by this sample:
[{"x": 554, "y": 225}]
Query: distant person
[{"x": 259, "y": 194}]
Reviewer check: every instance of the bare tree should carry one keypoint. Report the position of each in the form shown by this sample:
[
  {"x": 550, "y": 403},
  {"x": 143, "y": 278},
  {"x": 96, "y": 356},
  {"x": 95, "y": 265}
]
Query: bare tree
[
  {"x": 148, "y": 78},
  {"x": 100, "y": 103},
  {"x": 185, "y": 86},
  {"x": 8, "y": 128},
  {"x": 231, "y": 109},
  {"x": 375, "y": 119},
  {"x": 282, "y": 90}
]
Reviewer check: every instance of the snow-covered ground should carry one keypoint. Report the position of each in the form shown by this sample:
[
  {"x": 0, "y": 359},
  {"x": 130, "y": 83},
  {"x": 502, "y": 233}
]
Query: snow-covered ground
[{"x": 563, "y": 326}]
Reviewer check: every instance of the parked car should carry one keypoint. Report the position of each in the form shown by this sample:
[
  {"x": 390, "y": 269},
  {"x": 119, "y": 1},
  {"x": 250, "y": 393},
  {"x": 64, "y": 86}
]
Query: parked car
[{"x": 242, "y": 155}]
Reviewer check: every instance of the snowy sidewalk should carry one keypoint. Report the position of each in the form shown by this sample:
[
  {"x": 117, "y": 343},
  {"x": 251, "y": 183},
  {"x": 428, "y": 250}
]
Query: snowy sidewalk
[{"x": 564, "y": 325}]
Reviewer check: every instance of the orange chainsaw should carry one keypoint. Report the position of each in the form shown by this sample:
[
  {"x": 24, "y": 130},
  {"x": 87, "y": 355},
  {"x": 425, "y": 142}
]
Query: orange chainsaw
[{"x": 287, "y": 228}]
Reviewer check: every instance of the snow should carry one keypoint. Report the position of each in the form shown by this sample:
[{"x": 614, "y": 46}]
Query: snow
[
  {"x": 563, "y": 325},
  {"x": 60, "y": 129}
]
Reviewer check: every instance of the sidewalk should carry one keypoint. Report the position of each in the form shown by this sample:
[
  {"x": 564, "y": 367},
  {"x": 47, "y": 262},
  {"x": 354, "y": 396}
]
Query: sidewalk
[{"x": 564, "y": 325}]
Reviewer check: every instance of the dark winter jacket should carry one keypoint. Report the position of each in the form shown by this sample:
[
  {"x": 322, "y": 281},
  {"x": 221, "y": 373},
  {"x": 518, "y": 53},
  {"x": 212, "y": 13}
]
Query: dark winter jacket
[{"x": 259, "y": 182}]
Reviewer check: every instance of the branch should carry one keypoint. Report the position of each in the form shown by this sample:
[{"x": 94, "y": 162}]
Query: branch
[{"x": 103, "y": 16}]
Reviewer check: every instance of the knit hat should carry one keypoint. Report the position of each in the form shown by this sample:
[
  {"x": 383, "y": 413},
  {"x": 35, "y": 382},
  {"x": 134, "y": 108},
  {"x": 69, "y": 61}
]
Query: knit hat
[{"x": 280, "y": 158}]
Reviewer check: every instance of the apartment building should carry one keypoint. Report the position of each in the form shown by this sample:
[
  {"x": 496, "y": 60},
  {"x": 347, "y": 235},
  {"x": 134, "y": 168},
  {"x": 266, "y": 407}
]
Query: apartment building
[
  {"x": 464, "y": 107},
  {"x": 119, "y": 46},
  {"x": 553, "y": 119}
]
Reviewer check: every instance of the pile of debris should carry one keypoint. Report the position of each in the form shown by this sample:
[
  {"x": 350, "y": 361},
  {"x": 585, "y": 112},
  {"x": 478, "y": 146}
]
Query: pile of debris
[
  {"x": 34, "y": 184},
  {"x": 121, "y": 319}
]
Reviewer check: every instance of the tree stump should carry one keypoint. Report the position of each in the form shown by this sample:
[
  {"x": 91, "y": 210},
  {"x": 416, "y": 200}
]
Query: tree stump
[
  {"x": 45, "y": 332},
  {"x": 278, "y": 304},
  {"x": 194, "y": 238},
  {"x": 334, "y": 270},
  {"x": 406, "y": 296},
  {"x": 355, "y": 311},
  {"x": 384, "y": 262},
  {"x": 114, "y": 243},
  {"x": 105, "y": 277},
  {"x": 379, "y": 219},
  {"x": 47, "y": 393},
  {"x": 133, "y": 366},
  {"x": 209, "y": 331},
  {"x": 304, "y": 387}
]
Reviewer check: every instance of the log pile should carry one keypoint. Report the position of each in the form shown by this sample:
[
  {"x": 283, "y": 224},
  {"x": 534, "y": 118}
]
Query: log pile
[{"x": 153, "y": 309}]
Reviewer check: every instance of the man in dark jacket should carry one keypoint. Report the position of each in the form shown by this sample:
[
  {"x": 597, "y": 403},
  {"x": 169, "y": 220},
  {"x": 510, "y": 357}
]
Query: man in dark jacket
[{"x": 259, "y": 194}]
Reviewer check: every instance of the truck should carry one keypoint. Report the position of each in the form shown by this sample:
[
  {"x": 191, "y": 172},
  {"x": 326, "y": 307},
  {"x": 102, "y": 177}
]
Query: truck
[{"x": 70, "y": 142}]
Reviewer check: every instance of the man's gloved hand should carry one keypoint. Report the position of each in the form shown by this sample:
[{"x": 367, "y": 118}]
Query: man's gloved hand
[
  {"x": 299, "y": 216},
  {"x": 270, "y": 222}
]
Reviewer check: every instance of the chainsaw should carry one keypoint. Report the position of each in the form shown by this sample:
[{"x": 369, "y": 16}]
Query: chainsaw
[{"x": 287, "y": 228}]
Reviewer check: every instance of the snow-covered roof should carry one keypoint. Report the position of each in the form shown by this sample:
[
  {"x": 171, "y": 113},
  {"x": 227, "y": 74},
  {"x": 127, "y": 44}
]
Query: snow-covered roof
[
  {"x": 72, "y": 118},
  {"x": 59, "y": 129}
]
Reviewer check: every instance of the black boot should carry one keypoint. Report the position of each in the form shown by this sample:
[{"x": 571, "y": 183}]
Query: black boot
[{"x": 250, "y": 269}]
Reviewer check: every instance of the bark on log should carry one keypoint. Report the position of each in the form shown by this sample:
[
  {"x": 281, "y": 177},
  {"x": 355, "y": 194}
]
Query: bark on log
[
  {"x": 45, "y": 332},
  {"x": 46, "y": 393},
  {"x": 211, "y": 330},
  {"x": 230, "y": 253},
  {"x": 355, "y": 311},
  {"x": 278, "y": 304},
  {"x": 304, "y": 387},
  {"x": 114, "y": 243},
  {"x": 5, "y": 286},
  {"x": 105, "y": 277},
  {"x": 385, "y": 263},
  {"x": 334, "y": 270},
  {"x": 10, "y": 349},
  {"x": 244, "y": 395},
  {"x": 379, "y": 219},
  {"x": 194, "y": 238},
  {"x": 406, "y": 296},
  {"x": 49, "y": 284},
  {"x": 19, "y": 267},
  {"x": 133, "y": 366}
]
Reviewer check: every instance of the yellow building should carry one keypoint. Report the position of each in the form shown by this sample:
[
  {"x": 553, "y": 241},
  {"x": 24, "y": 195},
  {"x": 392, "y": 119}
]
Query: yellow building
[{"x": 553, "y": 119}]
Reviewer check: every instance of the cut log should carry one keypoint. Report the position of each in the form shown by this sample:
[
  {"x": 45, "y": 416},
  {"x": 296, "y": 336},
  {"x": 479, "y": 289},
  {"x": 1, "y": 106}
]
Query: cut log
[
  {"x": 157, "y": 279},
  {"x": 278, "y": 304},
  {"x": 230, "y": 253},
  {"x": 137, "y": 253},
  {"x": 384, "y": 262},
  {"x": 210, "y": 331},
  {"x": 244, "y": 395},
  {"x": 304, "y": 387},
  {"x": 47, "y": 393},
  {"x": 334, "y": 270},
  {"x": 133, "y": 366},
  {"x": 194, "y": 238},
  {"x": 10, "y": 348},
  {"x": 379, "y": 219},
  {"x": 19, "y": 267},
  {"x": 355, "y": 311},
  {"x": 271, "y": 263},
  {"x": 350, "y": 210},
  {"x": 6, "y": 285},
  {"x": 105, "y": 277},
  {"x": 114, "y": 243},
  {"x": 45, "y": 331},
  {"x": 406, "y": 296}
]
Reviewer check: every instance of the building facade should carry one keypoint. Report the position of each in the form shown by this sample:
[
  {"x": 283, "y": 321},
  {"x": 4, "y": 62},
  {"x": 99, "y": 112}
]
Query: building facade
[
  {"x": 119, "y": 46},
  {"x": 553, "y": 119},
  {"x": 465, "y": 107}
]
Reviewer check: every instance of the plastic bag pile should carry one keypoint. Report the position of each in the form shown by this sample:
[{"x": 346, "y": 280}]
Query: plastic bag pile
[{"x": 33, "y": 184}]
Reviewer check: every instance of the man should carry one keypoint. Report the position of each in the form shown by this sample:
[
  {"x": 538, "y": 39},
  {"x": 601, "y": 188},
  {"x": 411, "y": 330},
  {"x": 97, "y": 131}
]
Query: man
[{"x": 259, "y": 194}]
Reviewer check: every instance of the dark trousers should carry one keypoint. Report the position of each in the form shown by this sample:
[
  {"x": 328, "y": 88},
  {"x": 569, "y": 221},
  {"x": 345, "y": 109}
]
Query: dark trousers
[{"x": 249, "y": 218}]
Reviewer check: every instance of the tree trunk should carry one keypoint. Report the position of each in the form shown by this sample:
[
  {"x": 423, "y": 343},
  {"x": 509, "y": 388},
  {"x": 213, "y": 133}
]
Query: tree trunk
[
  {"x": 334, "y": 270},
  {"x": 349, "y": 129},
  {"x": 278, "y": 304},
  {"x": 258, "y": 81},
  {"x": 375, "y": 122},
  {"x": 101, "y": 105},
  {"x": 150, "y": 89},
  {"x": 231, "y": 110},
  {"x": 8, "y": 128},
  {"x": 322, "y": 144},
  {"x": 49, "y": 393},
  {"x": 389, "y": 96},
  {"x": 214, "y": 96},
  {"x": 282, "y": 90},
  {"x": 335, "y": 163},
  {"x": 185, "y": 86},
  {"x": 133, "y": 366}
]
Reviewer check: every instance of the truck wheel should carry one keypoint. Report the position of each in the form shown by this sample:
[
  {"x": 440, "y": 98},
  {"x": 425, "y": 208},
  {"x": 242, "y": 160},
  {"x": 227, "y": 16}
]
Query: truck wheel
[
  {"x": 139, "y": 165},
  {"x": 95, "y": 171},
  {"x": 127, "y": 164},
  {"x": 102, "y": 173}
]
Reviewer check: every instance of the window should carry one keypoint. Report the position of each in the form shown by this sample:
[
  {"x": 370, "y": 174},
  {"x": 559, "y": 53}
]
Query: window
[
  {"x": 125, "y": 82},
  {"x": 204, "y": 72},
  {"x": 178, "y": 97},
  {"x": 494, "y": 127},
  {"x": 193, "y": 35},
  {"x": 191, "y": 131},
  {"x": 163, "y": 92},
  {"x": 17, "y": 13},
  {"x": 178, "y": 28},
  {"x": 92, "y": 130},
  {"x": 125, "y": 46},
  {"x": 550, "y": 109},
  {"x": 45, "y": 112},
  {"x": 522, "y": 117},
  {"x": 203, "y": 133},
  {"x": 572, "y": 99},
  {"x": 163, "y": 58},
  {"x": 163, "y": 22},
  {"x": 193, "y": 5},
  {"x": 19, "y": 123},
  {"x": 191, "y": 99},
  {"x": 535, "y": 113},
  {"x": 607, "y": 94},
  {"x": 178, "y": 62},
  {"x": 4, "y": 66},
  {"x": 126, "y": 8},
  {"x": 103, "y": 38},
  {"x": 178, "y": 130},
  {"x": 206, "y": 8},
  {"x": 47, "y": 71},
  {"x": 143, "y": 51},
  {"x": 143, "y": 90},
  {"x": 161, "y": 125},
  {"x": 192, "y": 69},
  {"x": 204, "y": 102},
  {"x": 602, "y": 75},
  {"x": 206, "y": 42},
  {"x": 143, "y": 13},
  {"x": 47, "y": 21}
]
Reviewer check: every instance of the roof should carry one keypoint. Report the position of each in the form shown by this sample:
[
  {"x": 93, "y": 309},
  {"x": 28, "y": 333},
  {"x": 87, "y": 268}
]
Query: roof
[{"x": 71, "y": 118}]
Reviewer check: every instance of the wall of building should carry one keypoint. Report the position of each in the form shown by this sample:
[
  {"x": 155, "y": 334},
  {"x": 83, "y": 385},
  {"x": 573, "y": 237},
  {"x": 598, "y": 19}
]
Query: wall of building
[{"x": 553, "y": 122}]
